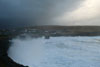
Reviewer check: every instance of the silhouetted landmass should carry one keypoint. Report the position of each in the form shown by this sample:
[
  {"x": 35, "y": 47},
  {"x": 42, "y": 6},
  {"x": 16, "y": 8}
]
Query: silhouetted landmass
[
  {"x": 56, "y": 30},
  {"x": 5, "y": 61},
  {"x": 65, "y": 30}
]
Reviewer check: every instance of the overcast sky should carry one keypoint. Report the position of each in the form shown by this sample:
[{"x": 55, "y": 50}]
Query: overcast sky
[{"x": 15, "y": 13}]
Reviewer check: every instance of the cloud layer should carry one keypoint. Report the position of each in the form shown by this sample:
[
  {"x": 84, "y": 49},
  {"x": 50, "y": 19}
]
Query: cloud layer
[
  {"x": 87, "y": 14},
  {"x": 49, "y": 12}
]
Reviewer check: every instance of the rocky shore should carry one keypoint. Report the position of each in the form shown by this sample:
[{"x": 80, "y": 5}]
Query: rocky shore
[{"x": 6, "y": 61}]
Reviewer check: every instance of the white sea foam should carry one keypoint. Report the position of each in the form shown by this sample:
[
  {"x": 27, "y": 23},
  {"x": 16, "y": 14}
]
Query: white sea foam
[{"x": 56, "y": 51}]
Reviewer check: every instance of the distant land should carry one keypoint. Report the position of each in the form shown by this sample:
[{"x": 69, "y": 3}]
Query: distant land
[
  {"x": 55, "y": 30},
  {"x": 70, "y": 30}
]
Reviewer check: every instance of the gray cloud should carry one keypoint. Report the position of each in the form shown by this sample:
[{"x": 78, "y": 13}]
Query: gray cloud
[
  {"x": 86, "y": 14},
  {"x": 33, "y": 12}
]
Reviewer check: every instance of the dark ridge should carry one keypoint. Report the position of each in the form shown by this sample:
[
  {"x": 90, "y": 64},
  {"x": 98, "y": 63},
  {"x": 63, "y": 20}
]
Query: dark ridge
[
  {"x": 58, "y": 30},
  {"x": 68, "y": 30},
  {"x": 5, "y": 61}
]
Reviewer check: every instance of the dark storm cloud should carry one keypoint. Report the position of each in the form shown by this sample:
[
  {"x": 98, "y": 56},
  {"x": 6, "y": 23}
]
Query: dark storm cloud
[{"x": 15, "y": 13}]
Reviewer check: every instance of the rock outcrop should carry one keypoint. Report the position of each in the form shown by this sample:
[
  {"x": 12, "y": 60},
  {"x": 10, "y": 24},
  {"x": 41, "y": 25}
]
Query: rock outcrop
[{"x": 6, "y": 61}]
